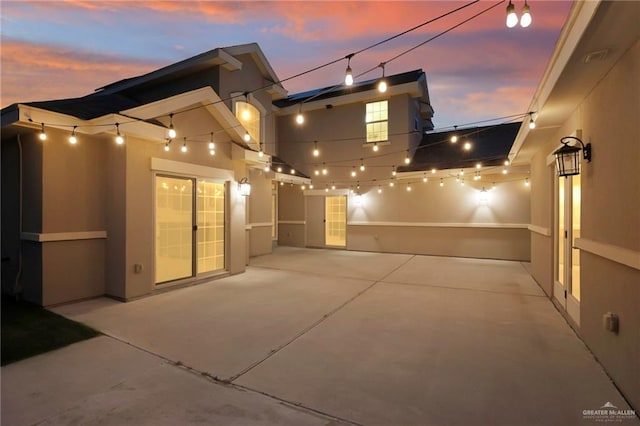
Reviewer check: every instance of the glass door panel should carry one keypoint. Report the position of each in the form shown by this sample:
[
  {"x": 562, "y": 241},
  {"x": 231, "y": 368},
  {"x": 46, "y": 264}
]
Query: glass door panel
[
  {"x": 336, "y": 221},
  {"x": 575, "y": 233},
  {"x": 211, "y": 232},
  {"x": 561, "y": 233},
  {"x": 174, "y": 228}
]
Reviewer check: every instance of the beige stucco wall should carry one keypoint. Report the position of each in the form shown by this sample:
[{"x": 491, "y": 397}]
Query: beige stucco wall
[
  {"x": 608, "y": 118},
  {"x": 291, "y": 208},
  {"x": 260, "y": 240}
]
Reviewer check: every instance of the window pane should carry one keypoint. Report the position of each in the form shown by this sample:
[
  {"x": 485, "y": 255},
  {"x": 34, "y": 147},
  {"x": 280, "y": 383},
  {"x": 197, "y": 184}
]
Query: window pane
[
  {"x": 335, "y": 221},
  {"x": 210, "y": 226},
  {"x": 376, "y": 119}
]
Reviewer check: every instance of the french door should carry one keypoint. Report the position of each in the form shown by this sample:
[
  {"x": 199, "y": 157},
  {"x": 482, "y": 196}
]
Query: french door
[
  {"x": 189, "y": 227},
  {"x": 326, "y": 218},
  {"x": 567, "y": 264}
]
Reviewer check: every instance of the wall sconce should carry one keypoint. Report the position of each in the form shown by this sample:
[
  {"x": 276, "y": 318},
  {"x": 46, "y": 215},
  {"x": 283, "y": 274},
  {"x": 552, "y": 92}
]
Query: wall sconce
[
  {"x": 568, "y": 158},
  {"x": 483, "y": 196},
  {"x": 244, "y": 187}
]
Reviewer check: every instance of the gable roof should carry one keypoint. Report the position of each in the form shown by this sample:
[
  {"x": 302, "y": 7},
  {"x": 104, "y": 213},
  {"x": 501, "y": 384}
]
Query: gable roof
[{"x": 490, "y": 146}]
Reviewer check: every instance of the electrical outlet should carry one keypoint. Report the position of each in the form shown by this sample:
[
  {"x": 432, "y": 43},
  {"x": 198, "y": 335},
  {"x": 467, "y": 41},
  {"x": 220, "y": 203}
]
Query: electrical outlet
[{"x": 611, "y": 322}]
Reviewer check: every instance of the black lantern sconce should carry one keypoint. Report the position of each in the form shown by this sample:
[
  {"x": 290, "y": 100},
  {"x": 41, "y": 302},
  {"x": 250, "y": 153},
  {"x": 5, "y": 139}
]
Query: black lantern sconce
[{"x": 568, "y": 156}]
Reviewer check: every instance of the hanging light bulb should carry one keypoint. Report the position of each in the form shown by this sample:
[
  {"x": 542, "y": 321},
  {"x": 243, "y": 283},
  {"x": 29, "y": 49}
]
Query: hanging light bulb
[
  {"x": 525, "y": 18},
  {"x": 462, "y": 182},
  {"x": 333, "y": 186},
  {"x": 526, "y": 182},
  {"x": 391, "y": 184},
  {"x": 375, "y": 147},
  {"x": 379, "y": 189},
  {"x": 293, "y": 171},
  {"x": 532, "y": 121},
  {"x": 72, "y": 139},
  {"x": 184, "y": 145},
  {"x": 393, "y": 172},
  {"x": 407, "y": 160},
  {"x": 433, "y": 171},
  {"x": 382, "y": 84},
  {"x": 493, "y": 186},
  {"x": 261, "y": 152},
  {"x": 247, "y": 137},
  {"x": 310, "y": 185},
  {"x": 409, "y": 187},
  {"x": 506, "y": 162},
  {"x": 324, "y": 169},
  {"x": 316, "y": 172},
  {"x": 172, "y": 131},
  {"x": 316, "y": 151},
  {"x": 303, "y": 187},
  {"x": 461, "y": 172},
  {"x": 281, "y": 183},
  {"x": 512, "y": 18},
  {"x": 42, "y": 135},
  {"x": 362, "y": 168},
  {"x": 454, "y": 137},
  {"x": 279, "y": 169},
  {"x": 212, "y": 152},
  {"x": 212, "y": 145},
  {"x": 267, "y": 167},
  {"x": 299, "y": 116},
  {"x": 326, "y": 188},
  {"x": 424, "y": 178},
  {"x": 505, "y": 171},
  {"x": 441, "y": 183},
  {"x": 467, "y": 146},
  {"x": 166, "y": 146},
  {"x": 478, "y": 166},
  {"x": 119, "y": 138},
  {"x": 353, "y": 172},
  {"x": 348, "y": 76}
]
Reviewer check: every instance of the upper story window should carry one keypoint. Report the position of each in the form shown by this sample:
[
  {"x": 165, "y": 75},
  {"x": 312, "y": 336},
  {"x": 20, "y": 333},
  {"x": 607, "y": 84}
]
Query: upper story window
[
  {"x": 249, "y": 116},
  {"x": 376, "y": 118}
]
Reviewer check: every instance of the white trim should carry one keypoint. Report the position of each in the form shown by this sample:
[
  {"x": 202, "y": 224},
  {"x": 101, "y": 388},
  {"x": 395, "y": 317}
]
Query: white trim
[
  {"x": 189, "y": 169},
  {"x": 630, "y": 258},
  {"x": 260, "y": 224},
  {"x": 292, "y": 222},
  {"x": 62, "y": 236},
  {"x": 289, "y": 178},
  {"x": 540, "y": 230},
  {"x": 331, "y": 192},
  {"x": 443, "y": 225}
]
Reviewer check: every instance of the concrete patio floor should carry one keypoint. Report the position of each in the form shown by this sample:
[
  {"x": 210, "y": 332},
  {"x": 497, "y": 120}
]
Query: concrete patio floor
[{"x": 322, "y": 337}]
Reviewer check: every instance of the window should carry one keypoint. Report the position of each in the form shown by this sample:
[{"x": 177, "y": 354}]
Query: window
[
  {"x": 376, "y": 119},
  {"x": 249, "y": 116}
]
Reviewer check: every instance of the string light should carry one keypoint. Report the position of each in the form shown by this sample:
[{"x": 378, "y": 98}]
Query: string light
[
  {"x": 303, "y": 187},
  {"x": 310, "y": 185},
  {"x": 512, "y": 18},
  {"x": 324, "y": 169},
  {"x": 281, "y": 183},
  {"x": 478, "y": 166},
  {"x": 279, "y": 169},
  {"x": 247, "y": 137},
  {"x": 348, "y": 76},
  {"x": 532, "y": 121},
  {"x": 506, "y": 163},
  {"x": 166, "y": 145},
  {"x": 441, "y": 183},
  {"x": 119, "y": 138},
  {"x": 467, "y": 146},
  {"x": 333, "y": 186},
  {"x": 326, "y": 188},
  {"x": 525, "y": 19},
  {"x": 72, "y": 139},
  {"x": 212, "y": 146},
  {"x": 172, "y": 131},
  {"x": 393, "y": 172},
  {"x": 362, "y": 168},
  {"x": 375, "y": 147},
  {"x": 184, "y": 145},
  {"x": 462, "y": 182},
  {"x": 261, "y": 152},
  {"x": 267, "y": 167},
  {"x": 526, "y": 182},
  {"x": 379, "y": 189},
  {"x": 461, "y": 172},
  {"x": 493, "y": 186},
  {"x": 353, "y": 172},
  {"x": 407, "y": 160},
  {"x": 293, "y": 171},
  {"x": 505, "y": 171},
  {"x": 433, "y": 171},
  {"x": 43, "y": 135},
  {"x": 382, "y": 84},
  {"x": 316, "y": 172},
  {"x": 409, "y": 187},
  {"x": 391, "y": 184},
  {"x": 299, "y": 116},
  {"x": 454, "y": 137},
  {"x": 424, "y": 179},
  {"x": 316, "y": 151}
]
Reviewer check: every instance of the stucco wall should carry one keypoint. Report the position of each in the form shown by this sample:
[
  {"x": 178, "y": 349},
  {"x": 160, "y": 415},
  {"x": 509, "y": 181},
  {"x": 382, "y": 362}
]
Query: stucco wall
[
  {"x": 260, "y": 213},
  {"x": 610, "y": 202},
  {"x": 291, "y": 216}
]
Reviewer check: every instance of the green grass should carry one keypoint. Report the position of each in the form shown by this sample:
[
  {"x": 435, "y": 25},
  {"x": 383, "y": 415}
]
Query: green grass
[{"x": 29, "y": 330}]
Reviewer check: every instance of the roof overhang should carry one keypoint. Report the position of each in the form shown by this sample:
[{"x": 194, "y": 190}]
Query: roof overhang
[
  {"x": 607, "y": 28},
  {"x": 276, "y": 90}
]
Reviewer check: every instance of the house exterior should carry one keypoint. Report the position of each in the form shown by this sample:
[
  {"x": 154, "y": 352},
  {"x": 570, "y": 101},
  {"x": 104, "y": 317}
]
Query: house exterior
[{"x": 585, "y": 229}]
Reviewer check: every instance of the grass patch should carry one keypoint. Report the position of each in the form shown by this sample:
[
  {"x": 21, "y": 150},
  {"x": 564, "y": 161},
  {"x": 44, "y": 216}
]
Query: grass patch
[{"x": 29, "y": 330}]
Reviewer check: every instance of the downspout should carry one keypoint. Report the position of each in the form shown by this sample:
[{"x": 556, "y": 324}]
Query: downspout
[{"x": 17, "y": 287}]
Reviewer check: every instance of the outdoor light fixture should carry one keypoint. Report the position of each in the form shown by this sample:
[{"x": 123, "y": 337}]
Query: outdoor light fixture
[
  {"x": 393, "y": 172},
  {"x": 568, "y": 158},
  {"x": 267, "y": 167},
  {"x": 362, "y": 168},
  {"x": 72, "y": 139},
  {"x": 512, "y": 18},
  {"x": 324, "y": 169},
  {"x": 483, "y": 196},
  {"x": 261, "y": 152},
  {"x": 348, "y": 76},
  {"x": 467, "y": 146},
  {"x": 166, "y": 145},
  {"x": 525, "y": 19},
  {"x": 441, "y": 183},
  {"x": 353, "y": 171},
  {"x": 244, "y": 187},
  {"x": 172, "y": 131},
  {"x": 382, "y": 84},
  {"x": 119, "y": 138},
  {"x": 407, "y": 160}
]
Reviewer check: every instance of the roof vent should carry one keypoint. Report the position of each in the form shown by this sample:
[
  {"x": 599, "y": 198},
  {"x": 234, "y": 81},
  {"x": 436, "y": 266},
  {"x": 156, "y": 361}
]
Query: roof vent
[{"x": 598, "y": 55}]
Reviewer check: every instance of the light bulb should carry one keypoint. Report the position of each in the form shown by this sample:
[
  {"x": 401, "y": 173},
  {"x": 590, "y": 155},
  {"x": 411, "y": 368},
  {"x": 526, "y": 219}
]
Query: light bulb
[
  {"x": 391, "y": 184},
  {"x": 478, "y": 165},
  {"x": 526, "y": 182},
  {"x": 166, "y": 147},
  {"x": 408, "y": 187},
  {"x": 172, "y": 133},
  {"x": 441, "y": 183},
  {"x": 317, "y": 172},
  {"x": 119, "y": 139},
  {"x": 407, "y": 160},
  {"x": 362, "y": 168},
  {"x": 512, "y": 18},
  {"x": 293, "y": 171},
  {"x": 267, "y": 167},
  {"x": 467, "y": 146},
  {"x": 260, "y": 153},
  {"x": 72, "y": 139},
  {"x": 454, "y": 138},
  {"x": 424, "y": 179},
  {"x": 433, "y": 171},
  {"x": 279, "y": 169},
  {"x": 212, "y": 152},
  {"x": 525, "y": 19},
  {"x": 353, "y": 172},
  {"x": 326, "y": 189},
  {"x": 393, "y": 172},
  {"x": 310, "y": 186},
  {"x": 316, "y": 151},
  {"x": 382, "y": 86},
  {"x": 281, "y": 183},
  {"x": 212, "y": 145},
  {"x": 300, "y": 118},
  {"x": 324, "y": 170},
  {"x": 333, "y": 186},
  {"x": 532, "y": 125},
  {"x": 348, "y": 76},
  {"x": 183, "y": 148},
  {"x": 504, "y": 171},
  {"x": 379, "y": 189},
  {"x": 247, "y": 137},
  {"x": 246, "y": 115},
  {"x": 303, "y": 187},
  {"x": 375, "y": 147}
]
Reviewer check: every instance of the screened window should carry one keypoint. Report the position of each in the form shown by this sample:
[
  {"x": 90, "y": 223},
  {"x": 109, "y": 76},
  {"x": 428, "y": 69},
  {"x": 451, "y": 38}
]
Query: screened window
[
  {"x": 249, "y": 116},
  {"x": 376, "y": 119}
]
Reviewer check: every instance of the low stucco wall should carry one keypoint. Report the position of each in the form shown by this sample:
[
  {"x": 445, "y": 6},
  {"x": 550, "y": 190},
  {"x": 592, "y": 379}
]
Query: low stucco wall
[{"x": 486, "y": 243}]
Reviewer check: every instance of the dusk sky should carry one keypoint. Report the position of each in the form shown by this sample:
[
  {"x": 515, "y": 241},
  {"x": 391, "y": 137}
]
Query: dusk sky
[{"x": 481, "y": 70}]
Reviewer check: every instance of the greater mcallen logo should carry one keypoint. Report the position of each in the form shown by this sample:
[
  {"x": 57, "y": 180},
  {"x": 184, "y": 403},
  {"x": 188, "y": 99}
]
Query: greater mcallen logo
[{"x": 608, "y": 413}]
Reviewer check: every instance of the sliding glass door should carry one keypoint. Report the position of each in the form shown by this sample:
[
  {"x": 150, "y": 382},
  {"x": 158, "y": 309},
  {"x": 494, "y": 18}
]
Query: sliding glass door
[{"x": 189, "y": 227}]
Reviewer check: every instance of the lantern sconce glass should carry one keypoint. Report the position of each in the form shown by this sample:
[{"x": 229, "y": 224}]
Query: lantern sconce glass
[
  {"x": 568, "y": 156},
  {"x": 244, "y": 187}
]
